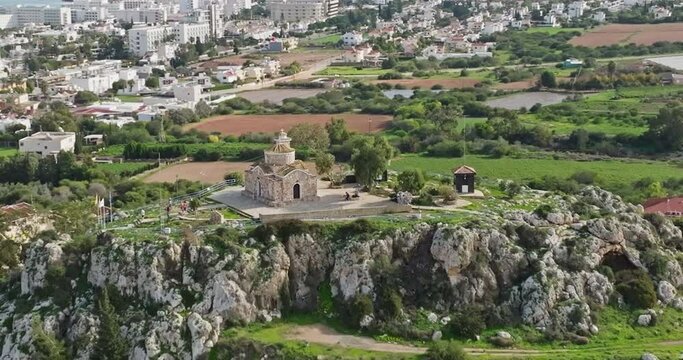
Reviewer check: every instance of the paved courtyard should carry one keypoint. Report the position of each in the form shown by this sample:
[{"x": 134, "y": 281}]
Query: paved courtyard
[{"x": 329, "y": 199}]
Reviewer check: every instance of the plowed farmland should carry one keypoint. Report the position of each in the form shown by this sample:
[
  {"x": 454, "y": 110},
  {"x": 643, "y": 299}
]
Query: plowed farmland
[{"x": 639, "y": 34}]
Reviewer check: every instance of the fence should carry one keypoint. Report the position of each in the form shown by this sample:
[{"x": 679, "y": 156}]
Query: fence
[{"x": 337, "y": 213}]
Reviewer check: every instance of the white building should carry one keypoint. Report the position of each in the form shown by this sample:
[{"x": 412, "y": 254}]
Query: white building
[
  {"x": 48, "y": 143},
  {"x": 147, "y": 16},
  {"x": 144, "y": 39},
  {"x": 353, "y": 38},
  {"x": 215, "y": 21},
  {"x": 575, "y": 9},
  {"x": 190, "y": 33},
  {"x": 42, "y": 15},
  {"x": 660, "y": 12},
  {"x": 233, "y": 7},
  {"x": 298, "y": 10},
  {"x": 599, "y": 16},
  {"x": 8, "y": 21},
  {"x": 188, "y": 6},
  {"x": 188, "y": 92},
  {"x": 6, "y": 123},
  {"x": 492, "y": 27},
  {"x": 229, "y": 74}
]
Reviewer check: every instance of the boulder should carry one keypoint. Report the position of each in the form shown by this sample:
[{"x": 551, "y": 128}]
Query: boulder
[
  {"x": 437, "y": 335},
  {"x": 432, "y": 317},
  {"x": 644, "y": 320},
  {"x": 666, "y": 292},
  {"x": 648, "y": 356},
  {"x": 216, "y": 218}
]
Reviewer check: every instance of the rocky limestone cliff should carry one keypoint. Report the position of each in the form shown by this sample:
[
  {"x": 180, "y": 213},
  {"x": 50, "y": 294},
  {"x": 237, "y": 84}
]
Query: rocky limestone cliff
[{"x": 534, "y": 268}]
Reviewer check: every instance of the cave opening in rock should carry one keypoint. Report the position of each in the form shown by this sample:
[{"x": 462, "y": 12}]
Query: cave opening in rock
[{"x": 617, "y": 261}]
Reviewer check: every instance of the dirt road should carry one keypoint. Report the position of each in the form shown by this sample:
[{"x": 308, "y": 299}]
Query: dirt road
[{"x": 321, "y": 334}]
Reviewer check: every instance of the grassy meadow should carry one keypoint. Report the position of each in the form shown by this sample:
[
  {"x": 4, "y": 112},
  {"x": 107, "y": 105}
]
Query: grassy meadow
[
  {"x": 611, "y": 173},
  {"x": 5, "y": 152}
]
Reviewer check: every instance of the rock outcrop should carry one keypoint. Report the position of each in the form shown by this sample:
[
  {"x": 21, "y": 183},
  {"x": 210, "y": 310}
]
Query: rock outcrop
[{"x": 536, "y": 268}]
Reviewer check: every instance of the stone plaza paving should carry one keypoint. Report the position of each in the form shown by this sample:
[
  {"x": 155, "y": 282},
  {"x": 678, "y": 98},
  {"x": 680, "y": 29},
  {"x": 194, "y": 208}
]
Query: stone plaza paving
[{"x": 330, "y": 199}]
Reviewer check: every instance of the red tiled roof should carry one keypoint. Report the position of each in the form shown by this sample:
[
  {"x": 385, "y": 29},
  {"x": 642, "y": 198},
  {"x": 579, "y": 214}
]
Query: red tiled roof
[
  {"x": 464, "y": 169},
  {"x": 21, "y": 208},
  {"x": 664, "y": 205}
]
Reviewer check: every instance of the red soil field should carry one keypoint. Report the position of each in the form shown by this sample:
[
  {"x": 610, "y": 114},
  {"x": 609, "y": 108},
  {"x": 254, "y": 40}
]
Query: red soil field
[
  {"x": 459, "y": 83},
  {"x": 242, "y": 124},
  {"x": 515, "y": 85},
  {"x": 205, "y": 172},
  {"x": 640, "y": 34}
]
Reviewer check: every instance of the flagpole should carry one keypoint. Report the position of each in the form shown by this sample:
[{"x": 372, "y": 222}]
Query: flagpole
[{"x": 111, "y": 209}]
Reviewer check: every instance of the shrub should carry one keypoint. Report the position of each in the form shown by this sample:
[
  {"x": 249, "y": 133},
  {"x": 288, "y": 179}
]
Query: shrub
[
  {"x": 411, "y": 180},
  {"x": 637, "y": 288},
  {"x": 235, "y": 175},
  {"x": 468, "y": 323},
  {"x": 446, "y": 149},
  {"x": 446, "y": 350},
  {"x": 250, "y": 154},
  {"x": 543, "y": 210},
  {"x": 207, "y": 155},
  {"x": 392, "y": 75},
  {"x": 359, "y": 308},
  {"x": 584, "y": 177},
  {"x": 447, "y": 193},
  {"x": 531, "y": 238}
]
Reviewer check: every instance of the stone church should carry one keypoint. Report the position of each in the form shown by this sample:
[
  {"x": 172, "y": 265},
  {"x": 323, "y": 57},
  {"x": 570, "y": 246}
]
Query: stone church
[{"x": 280, "y": 179}]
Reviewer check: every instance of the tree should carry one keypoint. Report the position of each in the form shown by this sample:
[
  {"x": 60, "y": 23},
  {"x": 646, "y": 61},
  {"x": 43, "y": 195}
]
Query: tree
[
  {"x": 42, "y": 84},
  {"x": 337, "y": 131},
  {"x": 130, "y": 84},
  {"x": 118, "y": 85},
  {"x": 181, "y": 116},
  {"x": 446, "y": 118},
  {"x": 110, "y": 344},
  {"x": 611, "y": 69},
  {"x": 47, "y": 347},
  {"x": 311, "y": 136},
  {"x": 666, "y": 130},
  {"x": 511, "y": 189},
  {"x": 85, "y": 98},
  {"x": 202, "y": 109},
  {"x": 548, "y": 79},
  {"x": 411, "y": 180},
  {"x": 389, "y": 63},
  {"x": 370, "y": 158},
  {"x": 655, "y": 190},
  {"x": 152, "y": 82},
  {"x": 324, "y": 163},
  {"x": 446, "y": 350}
]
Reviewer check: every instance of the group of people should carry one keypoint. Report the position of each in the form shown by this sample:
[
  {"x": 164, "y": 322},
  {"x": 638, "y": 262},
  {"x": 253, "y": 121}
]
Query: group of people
[
  {"x": 184, "y": 208},
  {"x": 348, "y": 197}
]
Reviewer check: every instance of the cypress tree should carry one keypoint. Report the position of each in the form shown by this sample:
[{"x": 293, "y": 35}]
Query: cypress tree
[{"x": 110, "y": 344}]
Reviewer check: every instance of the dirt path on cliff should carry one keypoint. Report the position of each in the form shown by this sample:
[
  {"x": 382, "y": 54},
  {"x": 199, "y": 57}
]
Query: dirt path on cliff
[{"x": 321, "y": 334}]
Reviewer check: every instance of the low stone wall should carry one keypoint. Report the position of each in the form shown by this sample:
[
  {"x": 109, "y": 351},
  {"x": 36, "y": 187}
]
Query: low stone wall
[{"x": 337, "y": 213}]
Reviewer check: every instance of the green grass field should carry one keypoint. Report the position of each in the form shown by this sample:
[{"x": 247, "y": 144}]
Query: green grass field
[
  {"x": 551, "y": 30},
  {"x": 118, "y": 168},
  {"x": 129, "y": 98},
  {"x": 610, "y": 172},
  {"x": 326, "y": 40},
  {"x": 5, "y": 152},
  {"x": 618, "y": 338},
  {"x": 227, "y": 149},
  {"x": 562, "y": 127}
]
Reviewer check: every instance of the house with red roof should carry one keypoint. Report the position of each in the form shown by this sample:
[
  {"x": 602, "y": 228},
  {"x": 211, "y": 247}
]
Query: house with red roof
[{"x": 672, "y": 206}]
